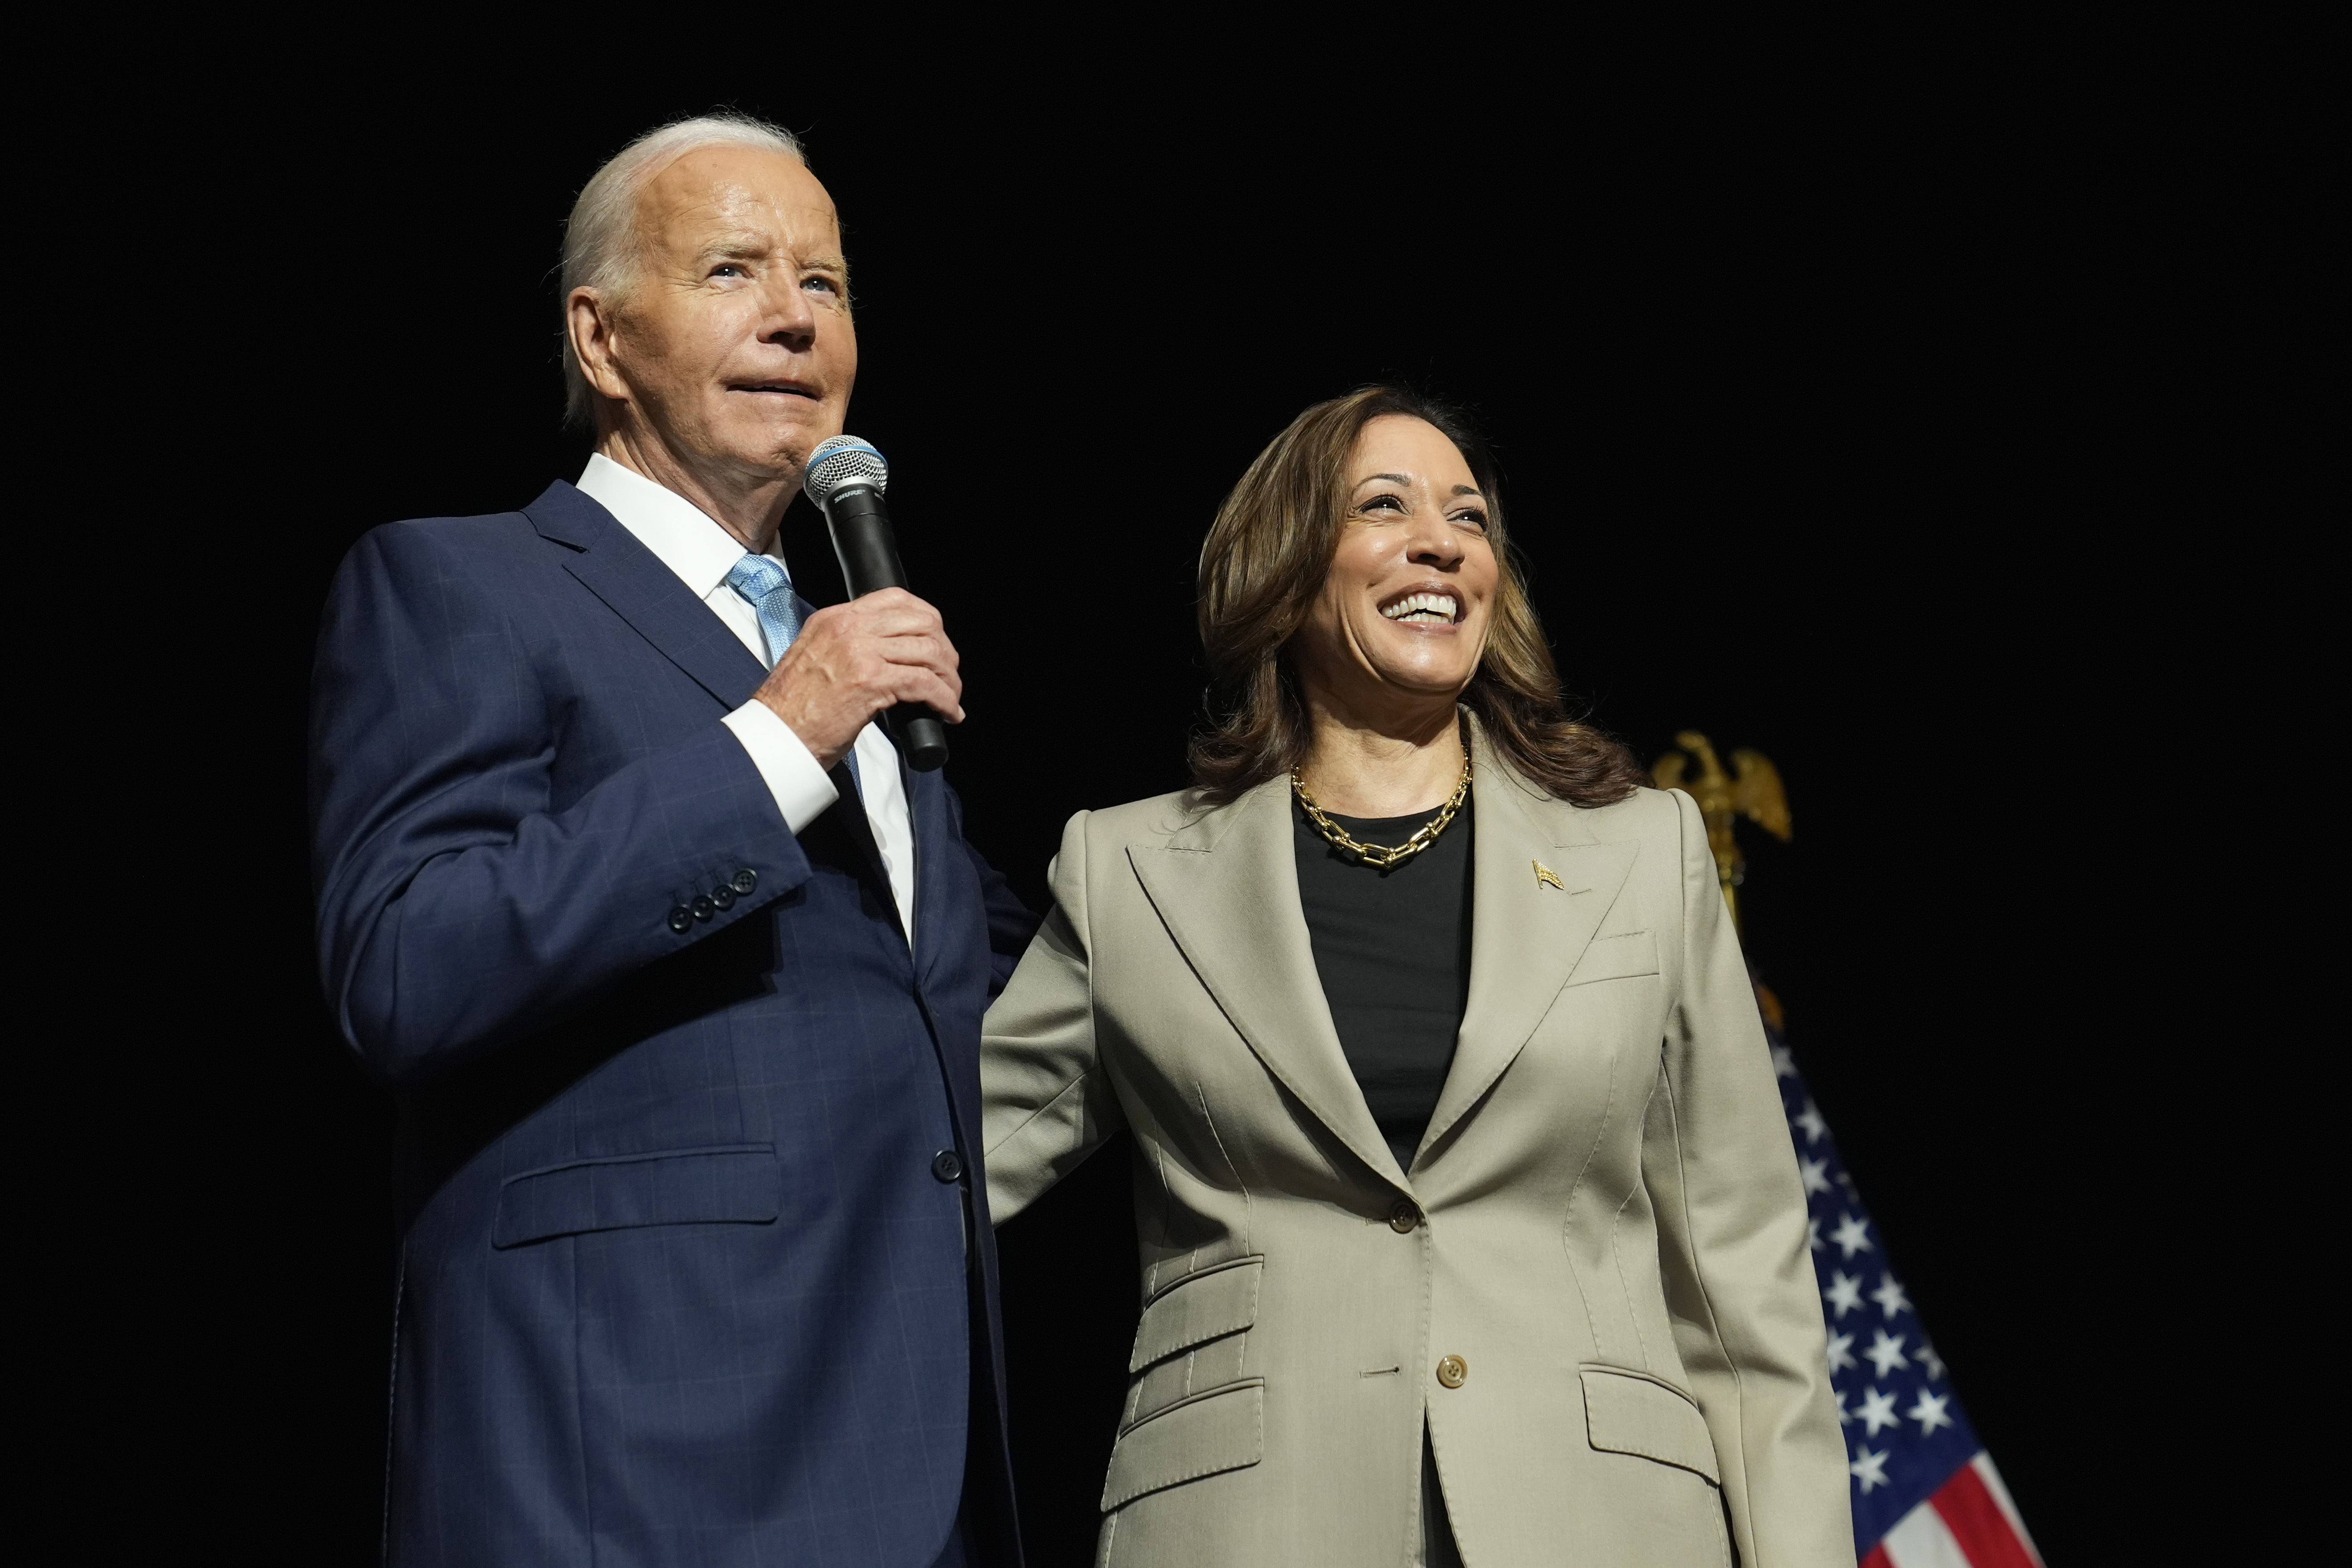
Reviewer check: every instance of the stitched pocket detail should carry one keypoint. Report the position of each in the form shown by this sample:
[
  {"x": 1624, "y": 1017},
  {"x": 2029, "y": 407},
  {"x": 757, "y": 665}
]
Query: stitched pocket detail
[
  {"x": 1203, "y": 1306},
  {"x": 1625, "y": 1414},
  {"x": 734, "y": 1183},
  {"x": 1615, "y": 958},
  {"x": 1222, "y": 1430}
]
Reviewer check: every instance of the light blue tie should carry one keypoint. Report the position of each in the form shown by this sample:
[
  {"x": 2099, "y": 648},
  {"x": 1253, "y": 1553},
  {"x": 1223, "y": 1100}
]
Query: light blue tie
[
  {"x": 763, "y": 583},
  {"x": 770, "y": 591}
]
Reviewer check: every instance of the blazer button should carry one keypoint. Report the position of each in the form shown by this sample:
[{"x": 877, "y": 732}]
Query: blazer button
[
  {"x": 681, "y": 919},
  {"x": 703, "y": 907},
  {"x": 948, "y": 1166},
  {"x": 745, "y": 881},
  {"x": 1403, "y": 1219},
  {"x": 723, "y": 896},
  {"x": 1453, "y": 1372}
]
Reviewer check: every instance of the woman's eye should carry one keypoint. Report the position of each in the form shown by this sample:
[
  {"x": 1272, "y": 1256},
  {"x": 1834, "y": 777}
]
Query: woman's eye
[
  {"x": 1387, "y": 503},
  {"x": 1476, "y": 519}
]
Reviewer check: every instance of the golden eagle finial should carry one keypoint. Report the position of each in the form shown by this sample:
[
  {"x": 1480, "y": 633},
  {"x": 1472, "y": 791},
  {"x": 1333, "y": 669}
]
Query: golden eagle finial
[{"x": 1755, "y": 794}]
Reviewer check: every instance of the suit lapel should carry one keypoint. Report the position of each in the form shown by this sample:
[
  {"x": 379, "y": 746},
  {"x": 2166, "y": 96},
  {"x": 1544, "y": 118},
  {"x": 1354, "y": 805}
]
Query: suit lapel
[
  {"x": 927, "y": 821},
  {"x": 1525, "y": 936},
  {"x": 633, "y": 582},
  {"x": 1227, "y": 889},
  {"x": 609, "y": 563}
]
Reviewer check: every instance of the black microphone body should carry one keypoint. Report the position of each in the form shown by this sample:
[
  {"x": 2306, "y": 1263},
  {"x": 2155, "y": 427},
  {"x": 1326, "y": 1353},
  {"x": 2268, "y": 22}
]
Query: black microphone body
[{"x": 859, "y": 520}]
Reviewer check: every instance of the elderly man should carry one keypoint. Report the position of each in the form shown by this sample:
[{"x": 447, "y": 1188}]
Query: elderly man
[{"x": 676, "y": 970}]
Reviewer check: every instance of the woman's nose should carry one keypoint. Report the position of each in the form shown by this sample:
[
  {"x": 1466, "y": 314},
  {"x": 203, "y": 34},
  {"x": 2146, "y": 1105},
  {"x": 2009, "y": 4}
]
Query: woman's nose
[{"x": 1432, "y": 542}]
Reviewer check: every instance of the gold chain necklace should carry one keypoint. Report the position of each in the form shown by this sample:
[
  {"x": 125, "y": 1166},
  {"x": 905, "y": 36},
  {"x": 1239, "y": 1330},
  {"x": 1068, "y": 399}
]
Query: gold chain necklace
[{"x": 1379, "y": 856}]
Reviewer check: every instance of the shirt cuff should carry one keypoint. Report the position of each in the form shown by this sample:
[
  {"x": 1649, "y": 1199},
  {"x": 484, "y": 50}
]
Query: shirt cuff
[{"x": 803, "y": 791}]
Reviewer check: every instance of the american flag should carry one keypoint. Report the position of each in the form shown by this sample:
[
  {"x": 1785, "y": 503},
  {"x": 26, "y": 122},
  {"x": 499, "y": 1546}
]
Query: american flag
[{"x": 1926, "y": 1494}]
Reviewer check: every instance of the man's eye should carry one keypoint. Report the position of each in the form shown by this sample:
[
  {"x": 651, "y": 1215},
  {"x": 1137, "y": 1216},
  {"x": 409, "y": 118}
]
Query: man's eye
[
  {"x": 827, "y": 284},
  {"x": 727, "y": 269}
]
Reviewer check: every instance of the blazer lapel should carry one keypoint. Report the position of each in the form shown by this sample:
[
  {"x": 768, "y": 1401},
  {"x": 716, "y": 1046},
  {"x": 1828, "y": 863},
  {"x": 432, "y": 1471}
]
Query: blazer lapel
[
  {"x": 633, "y": 583},
  {"x": 1227, "y": 889},
  {"x": 928, "y": 822},
  {"x": 1525, "y": 936}
]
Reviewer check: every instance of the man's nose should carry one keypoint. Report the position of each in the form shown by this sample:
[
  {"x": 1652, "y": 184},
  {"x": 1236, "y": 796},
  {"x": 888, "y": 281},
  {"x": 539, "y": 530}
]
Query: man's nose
[{"x": 788, "y": 319}]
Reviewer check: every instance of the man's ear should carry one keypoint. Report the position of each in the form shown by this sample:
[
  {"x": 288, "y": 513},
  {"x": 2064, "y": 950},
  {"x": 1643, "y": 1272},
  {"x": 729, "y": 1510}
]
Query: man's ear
[{"x": 592, "y": 322}]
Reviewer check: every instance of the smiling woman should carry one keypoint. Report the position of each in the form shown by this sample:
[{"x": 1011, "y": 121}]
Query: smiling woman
[
  {"x": 1324, "y": 517},
  {"x": 1468, "y": 1219}
]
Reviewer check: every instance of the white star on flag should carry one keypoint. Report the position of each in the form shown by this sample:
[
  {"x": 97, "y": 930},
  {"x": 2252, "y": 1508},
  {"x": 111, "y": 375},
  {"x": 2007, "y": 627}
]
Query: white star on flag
[
  {"x": 1929, "y": 1412},
  {"x": 1895, "y": 1391}
]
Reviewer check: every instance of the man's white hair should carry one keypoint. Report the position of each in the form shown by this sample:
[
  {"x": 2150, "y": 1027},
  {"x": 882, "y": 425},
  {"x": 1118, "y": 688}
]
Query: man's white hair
[{"x": 602, "y": 245}]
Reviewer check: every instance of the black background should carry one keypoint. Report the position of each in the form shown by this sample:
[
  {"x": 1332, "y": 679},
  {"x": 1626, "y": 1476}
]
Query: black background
[{"x": 1838, "y": 398}]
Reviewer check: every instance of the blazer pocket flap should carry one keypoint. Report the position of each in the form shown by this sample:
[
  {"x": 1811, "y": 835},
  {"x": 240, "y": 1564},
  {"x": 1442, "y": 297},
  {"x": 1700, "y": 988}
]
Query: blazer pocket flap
[
  {"x": 1626, "y": 1415},
  {"x": 1197, "y": 1309},
  {"x": 1223, "y": 1429},
  {"x": 676, "y": 1186},
  {"x": 1616, "y": 958}
]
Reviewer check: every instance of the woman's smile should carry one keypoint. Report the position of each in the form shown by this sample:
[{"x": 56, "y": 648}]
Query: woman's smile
[{"x": 1423, "y": 608}]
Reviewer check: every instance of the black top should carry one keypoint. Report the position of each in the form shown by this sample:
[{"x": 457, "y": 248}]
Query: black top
[{"x": 1394, "y": 951}]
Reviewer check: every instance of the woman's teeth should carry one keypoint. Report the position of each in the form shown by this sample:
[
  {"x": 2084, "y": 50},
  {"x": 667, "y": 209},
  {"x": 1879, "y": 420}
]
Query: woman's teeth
[{"x": 1425, "y": 608}]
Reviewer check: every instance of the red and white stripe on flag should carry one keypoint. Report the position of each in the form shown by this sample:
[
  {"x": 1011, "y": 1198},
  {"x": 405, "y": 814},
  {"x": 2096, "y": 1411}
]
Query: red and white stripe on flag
[{"x": 1969, "y": 1522}]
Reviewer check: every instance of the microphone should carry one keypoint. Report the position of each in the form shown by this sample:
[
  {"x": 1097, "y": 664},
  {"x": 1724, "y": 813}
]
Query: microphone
[{"x": 846, "y": 476}]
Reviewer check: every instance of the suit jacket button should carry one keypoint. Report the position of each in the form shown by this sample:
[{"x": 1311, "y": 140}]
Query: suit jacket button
[
  {"x": 1453, "y": 1372},
  {"x": 1401, "y": 1219},
  {"x": 703, "y": 907},
  {"x": 681, "y": 919},
  {"x": 948, "y": 1166},
  {"x": 745, "y": 880},
  {"x": 723, "y": 896}
]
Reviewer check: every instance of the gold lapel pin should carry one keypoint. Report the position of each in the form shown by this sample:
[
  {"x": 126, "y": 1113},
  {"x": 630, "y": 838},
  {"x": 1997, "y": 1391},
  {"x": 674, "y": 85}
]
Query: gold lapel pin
[{"x": 1544, "y": 874}]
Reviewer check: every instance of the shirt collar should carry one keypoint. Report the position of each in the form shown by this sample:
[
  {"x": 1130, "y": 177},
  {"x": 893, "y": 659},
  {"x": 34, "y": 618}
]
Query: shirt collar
[{"x": 682, "y": 536}]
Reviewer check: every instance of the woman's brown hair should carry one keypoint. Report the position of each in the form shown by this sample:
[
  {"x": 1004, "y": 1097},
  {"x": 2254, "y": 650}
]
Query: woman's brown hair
[{"x": 1267, "y": 556}]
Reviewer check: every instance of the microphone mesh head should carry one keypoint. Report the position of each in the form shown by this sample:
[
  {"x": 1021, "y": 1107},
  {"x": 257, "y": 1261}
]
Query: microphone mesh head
[{"x": 840, "y": 460}]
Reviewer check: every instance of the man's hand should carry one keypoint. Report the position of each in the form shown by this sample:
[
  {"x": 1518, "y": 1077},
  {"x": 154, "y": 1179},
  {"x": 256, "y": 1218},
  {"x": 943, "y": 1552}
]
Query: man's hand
[{"x": 853, "y": 661}]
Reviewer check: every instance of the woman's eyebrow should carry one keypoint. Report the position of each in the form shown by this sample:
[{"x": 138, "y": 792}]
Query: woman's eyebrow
[
  {"x": 1468, "y": 490},
  {"x": 1392, "y": 478}
]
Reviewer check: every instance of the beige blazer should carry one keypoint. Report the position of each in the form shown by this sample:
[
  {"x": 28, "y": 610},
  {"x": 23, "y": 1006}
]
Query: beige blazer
[{"x": 1593, "y": 1283}]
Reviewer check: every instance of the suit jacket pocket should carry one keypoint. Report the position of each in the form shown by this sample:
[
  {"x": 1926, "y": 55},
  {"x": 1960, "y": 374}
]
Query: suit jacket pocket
[
  {"x": 1626, "y": 1414},
  {"x": 734, "y": 1183},
  {"x": 1223, "y": 1429},
  {"x": 1616, "y": 958},
  {"x": 1197, "y": 1309}
]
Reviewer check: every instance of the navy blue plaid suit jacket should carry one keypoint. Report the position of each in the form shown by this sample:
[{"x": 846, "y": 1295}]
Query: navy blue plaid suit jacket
[{"x": 684, "y": 1272}]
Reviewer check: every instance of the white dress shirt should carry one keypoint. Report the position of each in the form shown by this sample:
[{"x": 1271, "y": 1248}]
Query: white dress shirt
[{"x": 686, "y": 539}]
